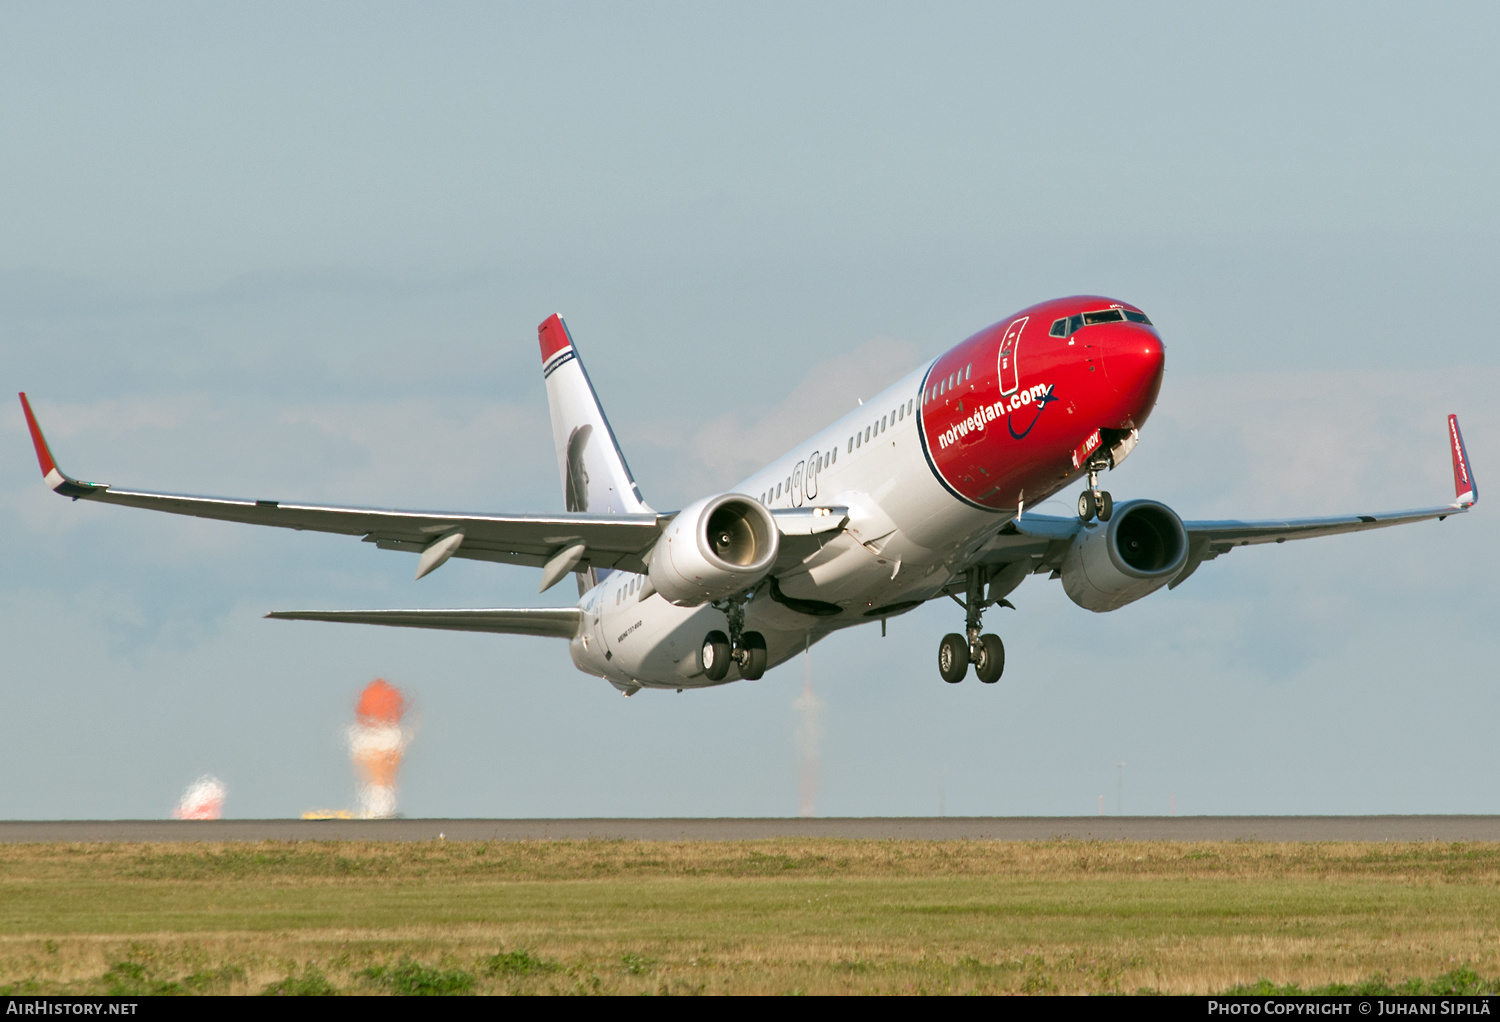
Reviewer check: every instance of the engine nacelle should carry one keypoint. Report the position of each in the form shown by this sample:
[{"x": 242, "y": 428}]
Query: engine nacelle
[
  {"x": 714, "y": 548},
  {"x": 1139, "y": 550}
]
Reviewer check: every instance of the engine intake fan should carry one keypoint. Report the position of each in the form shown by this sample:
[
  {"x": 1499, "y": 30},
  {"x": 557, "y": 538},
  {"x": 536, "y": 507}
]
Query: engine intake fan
[
  {"x": 714, "y": 548},
  {"x": 1140, "y": 549}
]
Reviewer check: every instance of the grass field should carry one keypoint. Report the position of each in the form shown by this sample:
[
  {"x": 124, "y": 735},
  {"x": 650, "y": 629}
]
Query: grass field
[{"x": 782, "y": 916}]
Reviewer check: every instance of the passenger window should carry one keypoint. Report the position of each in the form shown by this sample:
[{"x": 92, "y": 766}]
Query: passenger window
[
  {"x": 778, "y": 491},
  {"x": 1060, "y": 327},
  {"x": 882, "y": 424},
  {"x": 851, "y": 445},
  {"x": 968, "y": 370},
  {"x": 867, "y": 434},
  {"x": 900, "y": 413},
  {"x": 834, "y": 460},
  {"x": 856, "y": 440}
]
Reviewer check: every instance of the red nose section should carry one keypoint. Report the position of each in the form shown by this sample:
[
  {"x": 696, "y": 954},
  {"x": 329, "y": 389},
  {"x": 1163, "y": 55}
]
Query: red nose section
[{"x": 1133, "y": 360}]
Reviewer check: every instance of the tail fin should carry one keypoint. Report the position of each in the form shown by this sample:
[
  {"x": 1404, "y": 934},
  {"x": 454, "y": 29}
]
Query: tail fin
[{"x": 595, "y": 477}]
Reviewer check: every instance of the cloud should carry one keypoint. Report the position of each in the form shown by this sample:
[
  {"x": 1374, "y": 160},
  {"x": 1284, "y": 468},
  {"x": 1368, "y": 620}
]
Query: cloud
[{"x": 720, "y": 452}]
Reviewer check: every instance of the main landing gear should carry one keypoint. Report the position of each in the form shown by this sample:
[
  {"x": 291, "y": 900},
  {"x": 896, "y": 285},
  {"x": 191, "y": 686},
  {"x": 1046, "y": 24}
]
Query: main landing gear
[
  {"x": 1094, "y": 501},
  {"x": 748, "y": 649},
  {"x": 986, "y": 652}
]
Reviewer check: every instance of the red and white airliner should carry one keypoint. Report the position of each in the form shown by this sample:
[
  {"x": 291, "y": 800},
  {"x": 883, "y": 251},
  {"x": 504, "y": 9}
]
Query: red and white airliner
[{"x": 919, "y": 493}]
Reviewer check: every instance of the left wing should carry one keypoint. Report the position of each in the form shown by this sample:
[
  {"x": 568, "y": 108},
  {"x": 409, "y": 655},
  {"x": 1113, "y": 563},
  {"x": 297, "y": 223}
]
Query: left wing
[
  {"x": 1042, "y": 539},
  {"x": 1207, "y": 540},
  {"x": 560, "y": 543}
]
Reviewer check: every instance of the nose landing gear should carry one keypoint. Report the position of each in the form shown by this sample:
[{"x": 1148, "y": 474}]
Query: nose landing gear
[
  {"x": 747, "y": 649},
  {"x": 1094, "y": 501},
  {"x": 986, "y": 652}
]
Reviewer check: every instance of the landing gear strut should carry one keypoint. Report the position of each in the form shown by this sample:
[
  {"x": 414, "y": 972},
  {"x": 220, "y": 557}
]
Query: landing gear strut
[
  {"x": 747, "y": 649},
  {"x": 1094, "y": 501},
  {"x": 986, "y": 652}
]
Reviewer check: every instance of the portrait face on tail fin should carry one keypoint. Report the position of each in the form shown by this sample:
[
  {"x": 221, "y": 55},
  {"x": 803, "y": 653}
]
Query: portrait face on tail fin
[{"x": 577, "y": 496}]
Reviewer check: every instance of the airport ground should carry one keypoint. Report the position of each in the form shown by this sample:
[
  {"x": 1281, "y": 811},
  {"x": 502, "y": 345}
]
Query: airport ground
[{"x": 777, "y": 915}]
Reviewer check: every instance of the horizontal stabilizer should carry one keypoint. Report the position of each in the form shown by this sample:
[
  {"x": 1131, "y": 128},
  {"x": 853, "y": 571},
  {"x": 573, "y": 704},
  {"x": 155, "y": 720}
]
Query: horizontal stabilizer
[{"x": 551, "y": 622}]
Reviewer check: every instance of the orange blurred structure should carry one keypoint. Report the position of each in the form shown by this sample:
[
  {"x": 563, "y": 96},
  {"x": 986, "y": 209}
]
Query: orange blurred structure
[
  {"x": 377, "y": 741},
  {"x": 380, "y": 703},
  {"x": 203, "y": 800}
]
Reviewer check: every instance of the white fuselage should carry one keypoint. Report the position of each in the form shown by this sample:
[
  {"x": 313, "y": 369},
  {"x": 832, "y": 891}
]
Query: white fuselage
[{"x": 906, "y": 538}]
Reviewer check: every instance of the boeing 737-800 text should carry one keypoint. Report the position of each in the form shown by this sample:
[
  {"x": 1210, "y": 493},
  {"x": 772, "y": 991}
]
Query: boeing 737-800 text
[{"x": 919, "y": 493}]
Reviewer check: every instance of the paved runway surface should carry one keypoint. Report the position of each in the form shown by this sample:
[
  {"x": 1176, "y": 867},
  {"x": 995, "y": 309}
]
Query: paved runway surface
[{"x": 939, "y": 828}]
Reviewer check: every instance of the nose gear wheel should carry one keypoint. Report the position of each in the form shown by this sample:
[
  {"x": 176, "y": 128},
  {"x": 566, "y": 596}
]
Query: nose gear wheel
[{"x": 1093, "y": 501}]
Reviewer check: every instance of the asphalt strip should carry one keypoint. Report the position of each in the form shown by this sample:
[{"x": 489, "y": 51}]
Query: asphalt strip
[{"x": 906, "y": 828}]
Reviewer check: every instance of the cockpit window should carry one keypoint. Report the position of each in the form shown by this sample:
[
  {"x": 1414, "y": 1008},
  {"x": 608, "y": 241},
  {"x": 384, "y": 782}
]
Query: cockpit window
[{"x": 1070, "y": 326}]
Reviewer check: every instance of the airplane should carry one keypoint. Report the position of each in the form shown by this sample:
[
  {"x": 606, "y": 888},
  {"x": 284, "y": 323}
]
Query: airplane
[{"x": 918, "y": 494}]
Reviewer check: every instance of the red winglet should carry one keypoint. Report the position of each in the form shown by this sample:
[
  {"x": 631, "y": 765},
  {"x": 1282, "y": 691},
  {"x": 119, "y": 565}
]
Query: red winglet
[
  {"x": 553, "y": 334},
  {"x": 43, "y": 455},
  {"x": 1465, "y": 490}
]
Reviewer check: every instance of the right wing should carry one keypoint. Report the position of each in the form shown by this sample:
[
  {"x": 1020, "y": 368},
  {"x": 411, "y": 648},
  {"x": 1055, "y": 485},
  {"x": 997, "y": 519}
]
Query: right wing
[
  {"x": 551, "y": 541},
  {"x": 557, "y": 543},
  {"x": 553, "y": 622}
]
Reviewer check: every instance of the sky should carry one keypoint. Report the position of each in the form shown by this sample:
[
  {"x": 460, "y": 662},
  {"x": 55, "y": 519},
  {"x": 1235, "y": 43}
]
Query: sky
[{"x": 300, "y": 251}]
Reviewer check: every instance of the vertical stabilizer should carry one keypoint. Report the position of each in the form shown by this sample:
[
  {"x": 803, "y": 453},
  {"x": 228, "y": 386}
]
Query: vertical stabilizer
[{"x": 595, "y": 477}]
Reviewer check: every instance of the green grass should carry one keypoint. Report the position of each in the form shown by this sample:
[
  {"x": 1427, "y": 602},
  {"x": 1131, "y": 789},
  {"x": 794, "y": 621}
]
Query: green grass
[{"x": 812, "y": 916}]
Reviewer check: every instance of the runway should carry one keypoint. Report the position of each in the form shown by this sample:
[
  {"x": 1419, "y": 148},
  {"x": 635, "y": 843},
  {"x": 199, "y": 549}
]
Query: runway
[{"x": 905, "y": 828}]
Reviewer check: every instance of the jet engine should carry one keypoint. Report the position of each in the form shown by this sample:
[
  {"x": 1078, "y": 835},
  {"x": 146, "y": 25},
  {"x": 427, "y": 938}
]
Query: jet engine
[
  {"x": 1139, "y": 550},
  {"x": 714, "y": 548}
]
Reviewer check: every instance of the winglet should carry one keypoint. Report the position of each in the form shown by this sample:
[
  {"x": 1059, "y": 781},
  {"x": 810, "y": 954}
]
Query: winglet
[
  {"x": 1465, "y": 490},
  {"x": 54, "y": 476}
]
